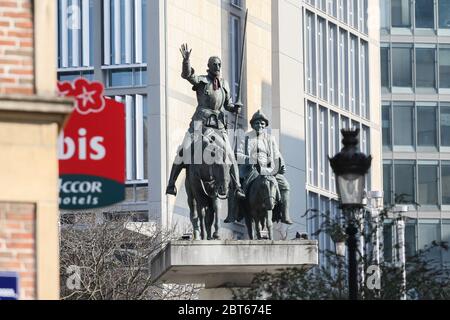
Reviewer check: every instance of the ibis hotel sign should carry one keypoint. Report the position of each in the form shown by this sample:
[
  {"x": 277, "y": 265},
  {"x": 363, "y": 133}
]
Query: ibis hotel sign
[{"x": 91, "y": 149}]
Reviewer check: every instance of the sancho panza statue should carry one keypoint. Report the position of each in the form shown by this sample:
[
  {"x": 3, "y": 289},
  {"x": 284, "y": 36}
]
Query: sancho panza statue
[
  {"x": 213, "y": 96},
  {"x": 259, "y": 155}
]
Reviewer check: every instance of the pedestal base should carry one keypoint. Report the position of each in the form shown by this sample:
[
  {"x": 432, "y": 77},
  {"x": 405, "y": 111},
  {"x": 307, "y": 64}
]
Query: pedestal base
[{"x": 221, "y": 265}]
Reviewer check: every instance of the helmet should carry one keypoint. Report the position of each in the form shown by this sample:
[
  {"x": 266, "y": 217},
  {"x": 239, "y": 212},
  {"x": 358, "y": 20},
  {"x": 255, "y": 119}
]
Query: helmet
[{"x": 259, "y": 116}]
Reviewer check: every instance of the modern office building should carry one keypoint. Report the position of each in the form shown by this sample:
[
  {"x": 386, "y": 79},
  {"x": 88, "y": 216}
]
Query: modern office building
[
  {"x": 415, "y": 81},
  {"x": 311, "y": 66}
]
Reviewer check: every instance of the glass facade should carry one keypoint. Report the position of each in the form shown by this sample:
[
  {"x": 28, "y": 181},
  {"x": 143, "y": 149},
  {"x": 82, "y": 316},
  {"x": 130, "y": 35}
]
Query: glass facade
[
  {"x": 336, "y": 83},
  {"x": 122, "y": 52},
  {"x": 414, "y": 15}
]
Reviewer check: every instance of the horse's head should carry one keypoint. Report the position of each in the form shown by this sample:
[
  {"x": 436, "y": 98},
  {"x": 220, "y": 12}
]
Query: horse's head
[
  {"x": 268, "y": 192},
  {"x": 214, "y": 161}
]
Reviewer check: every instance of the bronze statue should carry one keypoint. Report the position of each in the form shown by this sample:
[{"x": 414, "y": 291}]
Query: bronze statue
[
  {"x": 207, "y": 133},
  {"x": 262, "y": 169}
]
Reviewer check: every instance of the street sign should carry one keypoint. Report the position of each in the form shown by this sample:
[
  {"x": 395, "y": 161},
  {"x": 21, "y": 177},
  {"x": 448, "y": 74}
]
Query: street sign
[
  {"x": 9, "y": 286},
  {"x": 91, "y": 149}
]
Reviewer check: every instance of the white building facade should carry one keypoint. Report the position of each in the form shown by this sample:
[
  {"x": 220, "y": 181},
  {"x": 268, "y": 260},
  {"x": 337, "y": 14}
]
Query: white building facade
[{"x": 415, "y": 81}]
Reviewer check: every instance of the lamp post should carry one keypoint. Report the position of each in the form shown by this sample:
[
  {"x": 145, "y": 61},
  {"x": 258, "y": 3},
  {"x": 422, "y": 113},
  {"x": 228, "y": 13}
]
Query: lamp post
[
  {"x": 399, "y": 218},
  {"x": 350, "y": 167}
]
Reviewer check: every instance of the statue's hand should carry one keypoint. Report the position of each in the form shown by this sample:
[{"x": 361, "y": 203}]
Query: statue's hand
[
  {"x": 282, "y": 169},
  {"x": 238, "y": 107},
  {"x": 185, "y": 52}
]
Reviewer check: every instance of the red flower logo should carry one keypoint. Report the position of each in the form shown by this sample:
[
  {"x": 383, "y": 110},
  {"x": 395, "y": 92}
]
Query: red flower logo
[{"x": 88, "y": 95}]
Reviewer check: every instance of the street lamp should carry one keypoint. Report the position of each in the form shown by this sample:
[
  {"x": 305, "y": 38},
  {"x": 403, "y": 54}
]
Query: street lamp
[
  {"x": 350, "y": 168},
  {"x": 399, "y": 219}
]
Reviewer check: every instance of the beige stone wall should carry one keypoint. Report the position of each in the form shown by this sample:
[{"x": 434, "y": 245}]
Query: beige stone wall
[
  {"x": 29, "y": 127},
  {"x": 29, "y": 174},
  {"x": 17, "y": 244}
]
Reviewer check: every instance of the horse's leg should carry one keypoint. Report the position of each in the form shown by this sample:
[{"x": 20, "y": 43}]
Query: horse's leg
[
  {"x": 209, "y": 217},
  {"x": 216, "y": 207},
  {"x": 269, "y": 224},
  {"x": 257, "y": 225},
  {"x": 249, "y": 224},
  {"x": 193, "y": 209},
  {"x": 201, "y": 213}
]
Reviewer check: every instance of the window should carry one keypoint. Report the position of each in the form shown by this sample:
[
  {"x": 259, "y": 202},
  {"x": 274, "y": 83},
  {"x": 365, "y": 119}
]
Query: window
[
  {"x": 342, "y": 10},
  {"x": 385, "y": 67},
  {"x": 387, "y": 180},
  {"x": 403, "y": 126},
  {"x": 401, "y": 67},
  {"x": 425, "y": 70},
  {"x": 387, "y": 241},
  {"x": 136, "y": 114},
  {"x": 313, "y": 143},
  {"x": 385, "y": 13},
  {"x": 331, "y": 7},
  {"x": 323, "y": 138},
  {"x": 429, "y": 231},
  {"x": 310, "y": 53},
  {"x": 362, "y": 7},
  {"x": 428, "y": 191},
  {"x": 332, "y": 64},
  {"x": 404, "y": 183},
  {"x": 444, "y": 67},
  {"x": 386, "y": 125},
  {"x": 235, "y": 36},
  {"x": 425, "y": 14},
  {"x": 127, "y": 77},
  {"x": 75, "y": 42},
  {"x": 401, "y": 13},
  {"x": 363, "y": 80},
  {"x": 445, "y": 180},
  {"x": 237, "y": 3},
  {"x": 343, "y": 69},
  {"x": 124, "y": 31},
  {"x": 445, "y": 126},
  {"x": 444, "y": 14},
  {"x": 71, "y": 76},
  {"x": 445, "y": 229},
  {"x": 410, "y": 239},
  {"x": 353, "y": 85},
  {"x": 334, "y": 143},
  {"x": 322, "y": 72},
  {"x": 426, "y": 126}
]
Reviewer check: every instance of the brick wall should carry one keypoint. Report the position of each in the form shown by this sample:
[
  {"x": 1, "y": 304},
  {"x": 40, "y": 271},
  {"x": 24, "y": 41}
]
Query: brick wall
[
  {"x": 16, "y": 47},
  {"x": 17, "y": 244}
]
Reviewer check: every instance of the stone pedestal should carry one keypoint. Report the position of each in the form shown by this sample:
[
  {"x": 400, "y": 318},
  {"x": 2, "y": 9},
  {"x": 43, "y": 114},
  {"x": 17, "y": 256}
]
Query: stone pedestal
[{"x": 222, "y": 265}]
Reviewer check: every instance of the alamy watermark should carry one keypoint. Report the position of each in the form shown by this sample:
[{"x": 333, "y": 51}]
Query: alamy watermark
[{"x": 73, "y": 282}]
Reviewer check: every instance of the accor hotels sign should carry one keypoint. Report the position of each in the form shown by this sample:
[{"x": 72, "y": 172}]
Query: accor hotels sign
[{"x": 91, "y": 148}]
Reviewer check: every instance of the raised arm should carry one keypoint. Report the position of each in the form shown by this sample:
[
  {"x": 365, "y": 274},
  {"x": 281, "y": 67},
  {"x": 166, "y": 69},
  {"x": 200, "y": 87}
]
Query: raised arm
[{"x": 188, "y": 72}]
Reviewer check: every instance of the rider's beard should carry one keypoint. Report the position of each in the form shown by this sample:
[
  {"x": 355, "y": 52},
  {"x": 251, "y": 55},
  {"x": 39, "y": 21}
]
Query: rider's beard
[{"x": 214, "y": 73}]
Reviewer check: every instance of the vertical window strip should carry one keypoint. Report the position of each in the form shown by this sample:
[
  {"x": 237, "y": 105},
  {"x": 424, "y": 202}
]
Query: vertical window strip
[
  {"x": 75, "y": 29},
  {"x": 129, "y": 137},
  {"x": 128, "y": 31},
  {"x": 117, "y": 54},
  {"x": 138, "y": 32},
  {"x": 139, "y": 118},
  {"x": 106, "y": 32},
  {"x": 64, "y": 34},
  {"x": 86, "y": 33}
]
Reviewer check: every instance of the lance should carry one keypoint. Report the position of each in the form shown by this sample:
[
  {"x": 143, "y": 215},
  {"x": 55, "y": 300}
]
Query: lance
[{"x": 241, "y": 71}]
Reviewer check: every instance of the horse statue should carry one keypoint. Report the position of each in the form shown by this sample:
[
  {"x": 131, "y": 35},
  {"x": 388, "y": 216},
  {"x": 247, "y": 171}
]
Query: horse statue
[
  {"x": 260, "y": 206},
  {"x": 206, "y": 184}
]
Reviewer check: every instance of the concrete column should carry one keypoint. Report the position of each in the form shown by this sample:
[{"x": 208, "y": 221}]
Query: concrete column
[
  {"x": 288, "y": 111},
  {"x": 156, "y": 58}
]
